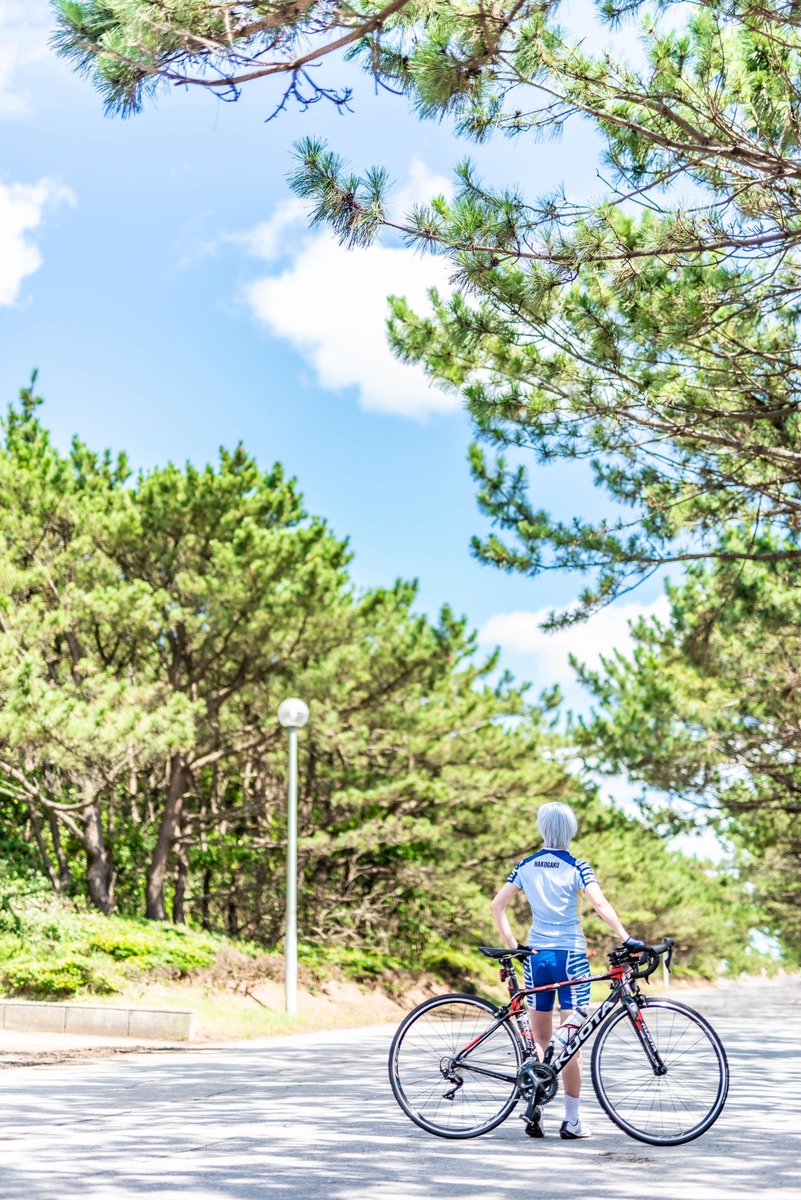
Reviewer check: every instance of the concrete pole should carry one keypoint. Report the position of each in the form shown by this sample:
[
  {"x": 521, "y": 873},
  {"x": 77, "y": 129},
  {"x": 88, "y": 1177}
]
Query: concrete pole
[{"x": 291, "y": 953}]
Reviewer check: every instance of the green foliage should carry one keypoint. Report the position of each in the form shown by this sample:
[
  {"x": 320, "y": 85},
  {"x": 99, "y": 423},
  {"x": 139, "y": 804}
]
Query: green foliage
[
  {"x": 702, "y": 907},
  {"x": 50, "y": 979},
  {"x": 652, "y": 333},
  {"x": 132, "y": 49},
  {"x": 51, "y": 948},
  {"x": 18, "y": 854},
  {"x": 139, "y": 757},
  {"x": 465, "y": 970},
  {"x": 147, "y": 947},
  {"x": 363, "y": 964},
  {"x": 705, "y": 712},
  {"x": 656, "y": 342}
]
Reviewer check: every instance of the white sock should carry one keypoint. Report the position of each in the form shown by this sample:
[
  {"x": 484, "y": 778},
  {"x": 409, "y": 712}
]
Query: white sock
[{"x": 571, "y": 1109}]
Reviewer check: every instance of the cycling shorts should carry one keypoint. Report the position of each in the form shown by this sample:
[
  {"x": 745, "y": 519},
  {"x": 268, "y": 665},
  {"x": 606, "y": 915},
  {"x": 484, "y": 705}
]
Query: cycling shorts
[{"x": 558, "y": 966}]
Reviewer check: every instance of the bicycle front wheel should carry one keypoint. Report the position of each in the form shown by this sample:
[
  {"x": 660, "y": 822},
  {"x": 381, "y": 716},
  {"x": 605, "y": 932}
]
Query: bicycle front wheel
[
  {"x": 668, "y": 1109},
  {"x": 453, "y": 1067}
]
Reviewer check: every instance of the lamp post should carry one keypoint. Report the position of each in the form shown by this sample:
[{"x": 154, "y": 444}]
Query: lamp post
[{"x": 293, "y": 715}]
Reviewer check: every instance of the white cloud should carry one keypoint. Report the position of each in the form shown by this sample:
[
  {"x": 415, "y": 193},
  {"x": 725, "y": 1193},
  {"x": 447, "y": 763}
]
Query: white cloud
[
  {"x": 22, "y": 210},
  {"x": 269, "y": 241},
  {"x": 330, "y": 303},
  {"x": 421, "y": 185},
  {"x": 521, "y": 634},
  {"x": 24, "y": 31}
]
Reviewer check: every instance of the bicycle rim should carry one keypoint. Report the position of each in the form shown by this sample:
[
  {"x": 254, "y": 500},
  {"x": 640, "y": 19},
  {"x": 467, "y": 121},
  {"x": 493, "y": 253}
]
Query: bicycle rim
[
  {"x": 664, "y": 1110},
  {"x": 422, "y": 1075}
]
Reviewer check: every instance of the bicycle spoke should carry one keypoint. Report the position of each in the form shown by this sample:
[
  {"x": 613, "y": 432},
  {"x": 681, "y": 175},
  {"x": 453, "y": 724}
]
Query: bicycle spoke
[
  {"x": 430, "y": 1058},
  {"x": 669, "y": 1108}
]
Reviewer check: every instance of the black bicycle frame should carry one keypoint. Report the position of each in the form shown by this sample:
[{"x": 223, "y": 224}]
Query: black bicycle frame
[{"x": 621, "y": 993}]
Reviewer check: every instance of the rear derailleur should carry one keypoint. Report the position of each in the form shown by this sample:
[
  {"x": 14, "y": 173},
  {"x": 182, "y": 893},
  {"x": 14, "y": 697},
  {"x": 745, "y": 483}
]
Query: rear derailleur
[{"x": 448, "y": 1073}]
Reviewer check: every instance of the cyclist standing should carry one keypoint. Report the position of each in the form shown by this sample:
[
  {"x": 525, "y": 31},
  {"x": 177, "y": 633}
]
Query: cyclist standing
[{"x": 553, "y": 881}]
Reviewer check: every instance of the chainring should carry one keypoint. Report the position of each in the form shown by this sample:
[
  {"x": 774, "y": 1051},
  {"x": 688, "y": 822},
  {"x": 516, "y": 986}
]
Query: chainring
[{"x": 539, "y": 1077}]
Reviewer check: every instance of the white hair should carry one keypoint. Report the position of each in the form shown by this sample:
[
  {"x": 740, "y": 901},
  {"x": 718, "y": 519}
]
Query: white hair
[{"x": 558, "y": 825}]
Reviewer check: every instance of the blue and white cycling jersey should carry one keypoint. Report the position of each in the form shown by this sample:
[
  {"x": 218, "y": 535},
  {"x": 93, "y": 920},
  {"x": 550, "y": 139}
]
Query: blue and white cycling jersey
[{"x": 553, "y": 881}]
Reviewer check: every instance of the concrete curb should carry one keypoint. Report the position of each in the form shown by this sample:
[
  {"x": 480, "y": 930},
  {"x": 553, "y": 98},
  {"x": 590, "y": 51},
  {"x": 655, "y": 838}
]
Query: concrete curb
[{"x": 174, "y": 1025}]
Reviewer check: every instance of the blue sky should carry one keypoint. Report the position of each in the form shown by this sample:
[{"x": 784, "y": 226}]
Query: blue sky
[{"x": 160, "y": 276}]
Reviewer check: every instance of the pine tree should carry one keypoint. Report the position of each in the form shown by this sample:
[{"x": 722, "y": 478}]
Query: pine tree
[
  {"x": 652, "y": 333},
  {"x": 705, "y": 713},
  {"x": 149, "y": 627},
  {"x": 132, "y": 49}
]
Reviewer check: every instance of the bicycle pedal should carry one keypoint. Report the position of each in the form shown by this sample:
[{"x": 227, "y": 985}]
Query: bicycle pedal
[{"x": 532, "y": 1123}]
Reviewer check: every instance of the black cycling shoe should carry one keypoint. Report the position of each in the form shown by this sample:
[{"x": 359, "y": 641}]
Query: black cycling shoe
[{"x": 534, "y": 1127}]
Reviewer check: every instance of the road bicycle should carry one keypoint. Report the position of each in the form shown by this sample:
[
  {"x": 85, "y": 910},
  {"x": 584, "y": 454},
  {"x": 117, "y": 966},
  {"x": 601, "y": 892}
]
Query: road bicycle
[{"x": 459, "y": 1064}]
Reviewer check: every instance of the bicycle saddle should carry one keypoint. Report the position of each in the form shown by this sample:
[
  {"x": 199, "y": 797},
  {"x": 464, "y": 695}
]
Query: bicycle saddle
[{"x": 519, "y": 954}]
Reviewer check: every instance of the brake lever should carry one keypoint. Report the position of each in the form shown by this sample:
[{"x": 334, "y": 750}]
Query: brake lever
[{"x": 647, "y": 964}]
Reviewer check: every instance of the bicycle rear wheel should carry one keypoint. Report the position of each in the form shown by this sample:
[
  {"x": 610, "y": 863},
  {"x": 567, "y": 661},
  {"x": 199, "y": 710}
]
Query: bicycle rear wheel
[
  {"x": 669, "y": 1109},
  {"x": 436, "y": 1065}
]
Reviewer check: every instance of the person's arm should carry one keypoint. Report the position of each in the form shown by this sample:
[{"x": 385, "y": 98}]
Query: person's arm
[
  {"x": 604, "y": 910},
  {"x": 499, "y": 906}
]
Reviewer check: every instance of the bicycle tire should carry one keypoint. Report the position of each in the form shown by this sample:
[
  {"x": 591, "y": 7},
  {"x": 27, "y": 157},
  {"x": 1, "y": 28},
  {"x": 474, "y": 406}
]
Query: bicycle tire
[
  {"x": 430, "y": 1036},
  {"x": 666, "y": 1110}
]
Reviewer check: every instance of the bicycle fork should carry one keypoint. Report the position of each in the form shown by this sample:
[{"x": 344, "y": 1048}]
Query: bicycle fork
[{"x": 643, "y": 1033}]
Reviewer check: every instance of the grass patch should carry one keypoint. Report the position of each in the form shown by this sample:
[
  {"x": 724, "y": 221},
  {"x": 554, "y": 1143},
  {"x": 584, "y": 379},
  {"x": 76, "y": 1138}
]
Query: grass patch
[{"x": 454, "y": 969}]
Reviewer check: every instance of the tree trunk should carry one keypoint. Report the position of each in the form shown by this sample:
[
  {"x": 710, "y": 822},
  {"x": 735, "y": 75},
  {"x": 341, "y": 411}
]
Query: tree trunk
[
  {"x": 205, "y": 908},
  {"x": 64, "y": 874},
  {"x": 179, "y": 896},
  {"x": 36, "y": 825},
  {"x": 98, "y": 863},
  {"x": 232, "y": 916},
  {"x": 157, "y": 871}
]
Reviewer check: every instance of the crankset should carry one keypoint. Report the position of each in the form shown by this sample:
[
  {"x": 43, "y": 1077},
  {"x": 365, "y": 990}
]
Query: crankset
[{"x": 537, "y": 1081}]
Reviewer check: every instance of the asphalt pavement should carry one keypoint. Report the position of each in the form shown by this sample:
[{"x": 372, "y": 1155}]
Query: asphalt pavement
[{"x": 313, "y": 1116}]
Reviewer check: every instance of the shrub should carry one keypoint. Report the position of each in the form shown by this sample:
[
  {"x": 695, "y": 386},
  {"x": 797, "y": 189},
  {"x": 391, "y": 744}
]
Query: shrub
[
  {"x": 456, "y": 967},
  {"x": 153, "y": 947},
  {"x": 54, "y": 980},
  {"x": 360, "y": 965}
]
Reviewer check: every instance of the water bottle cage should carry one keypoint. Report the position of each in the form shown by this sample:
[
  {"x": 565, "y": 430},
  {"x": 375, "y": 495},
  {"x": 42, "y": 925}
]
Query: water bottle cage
[{"x": 564, "y": 1034}]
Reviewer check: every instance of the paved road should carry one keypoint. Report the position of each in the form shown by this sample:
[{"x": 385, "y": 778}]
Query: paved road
[{"x": 313, "y": 1117}]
